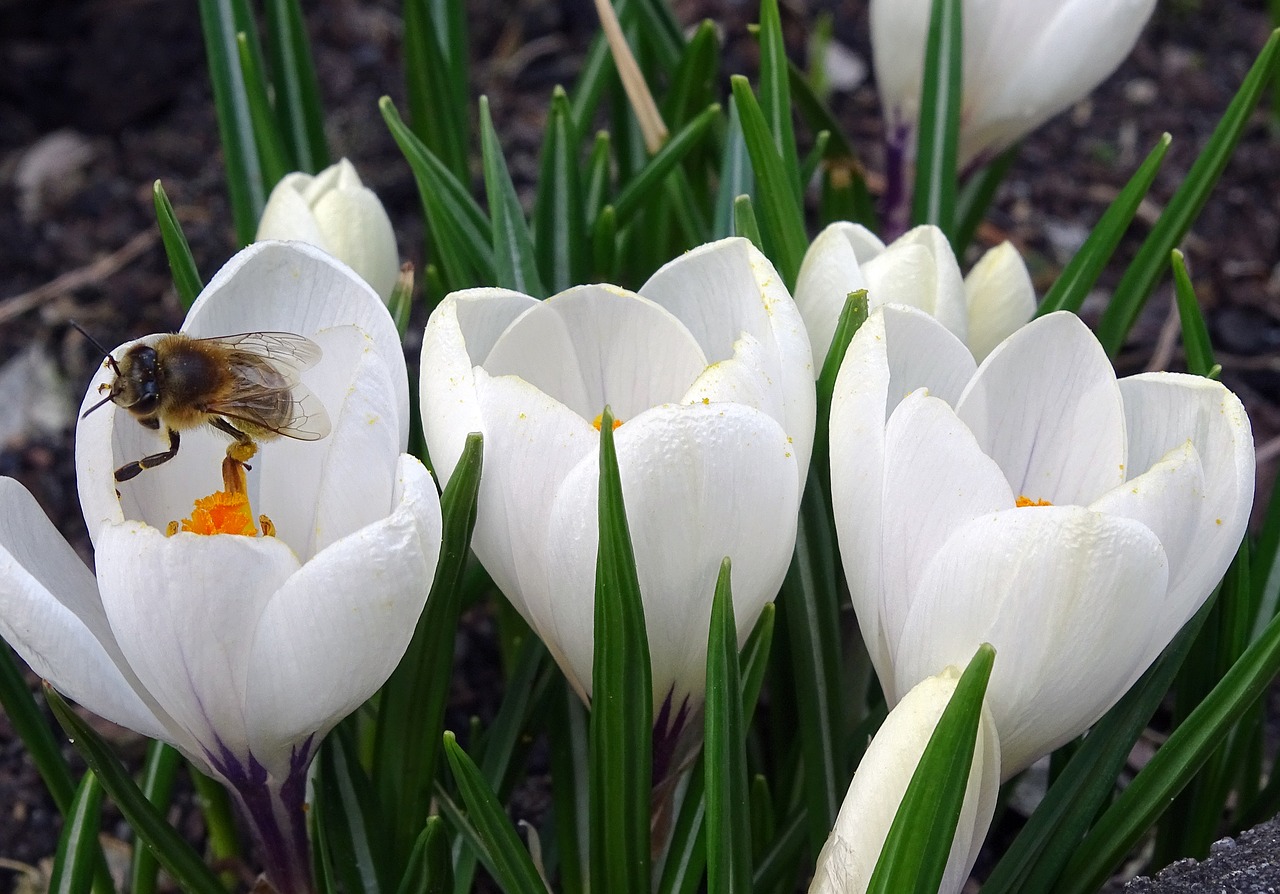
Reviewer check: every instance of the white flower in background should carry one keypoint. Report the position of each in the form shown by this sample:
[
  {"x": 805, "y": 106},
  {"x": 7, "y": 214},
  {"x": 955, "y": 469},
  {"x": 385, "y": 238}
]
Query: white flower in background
[
  {"x": 1072, "y": 521},
  {"x": 919, "y": 270},
  {"x": 241, "y": 651},
  {"x": 335, "y": 211},
  {"x": 708, "y": 371},
  {"x": 850, "y": 854},
  {"x": 1024, "y": 62}
]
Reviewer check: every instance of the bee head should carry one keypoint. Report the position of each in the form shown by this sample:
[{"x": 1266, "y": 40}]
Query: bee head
[{"x": 135, "y": 386}]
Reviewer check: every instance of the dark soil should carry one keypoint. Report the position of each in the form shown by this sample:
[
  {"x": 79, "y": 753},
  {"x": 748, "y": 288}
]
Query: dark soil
[{"x": 123, "y": 84}]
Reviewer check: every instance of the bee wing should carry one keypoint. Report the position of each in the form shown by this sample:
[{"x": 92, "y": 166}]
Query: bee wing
[
  {"x": 268, "y": 396},
  {"x": 290, "y": 354}
]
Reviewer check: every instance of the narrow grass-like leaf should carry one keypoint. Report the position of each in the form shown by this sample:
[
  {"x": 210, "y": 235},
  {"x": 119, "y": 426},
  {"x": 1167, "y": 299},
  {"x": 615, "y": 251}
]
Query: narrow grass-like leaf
[
  {"x": 569, "y": 785},
  {"x": 223, "y": 844},
  {"x": 781, "y": 220},
  {"x": 359, "y": 846},
  {"x": 725, "y": 756},
  {"x": 172, "y": 850},
  {"x": 662, "y": 34},
  {"x": 186, "y": 278},
  {"x": 218, "y": 19},
  {"x": 514, "y": 260},
  {"x": 30, "y": 725},
  {"x": 622, "y": 698},
  {"x": 641, "y": 189},
  {"x": 461, "y": 228},
  {"x": 272, "y": 152},
  {"x": 411, "y": 706},
  {"x": 597, "y": 189},
  {"x": 594, "y": 75},
  {"x": 810, "y": 613},
  {"x": 764, "y": 826},
  {"x": 694, "y": 81},
  {"x": 934, "y": 195},
  {"x": 430, "y": 868},
  {"x": 975, "y": 196},
  {"x": 809, "y": 167},
  {"x": 1142, "y": 274},
  {"x": 559, "y": 224},
  {"x": 438, "y": 103},
  {"x": 513, "y": 868},
  {"x": 1035, "y": 859},
  {"x": 852, "y": 316},
  {"x": 158, "y": 774},
  {"x": 1195, "y": 334},
  {"x": 736, "y": 177},
  {"x": 915, "y": 852},
  {"x": 297, "y": 92},
  {"x": 775, "y": 94},
  {"x": 78, "y": 855},
  {"x": 776, "y": 871},
  {"x": 1264, "y": 570},
  {"x": 1173, "y": 766},
  {"x": 1073, "y": 284}
]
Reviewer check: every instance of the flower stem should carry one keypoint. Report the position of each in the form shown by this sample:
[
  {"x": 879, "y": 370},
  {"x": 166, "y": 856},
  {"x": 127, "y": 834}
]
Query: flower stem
[{"x": 276, "y": 815}]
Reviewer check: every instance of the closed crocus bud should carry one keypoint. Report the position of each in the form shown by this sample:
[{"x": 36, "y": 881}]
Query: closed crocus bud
[
  {"x": 334, "y": 211},
  {"x": 1024, "y": 62},
  {"x": 708, "y": 372},
  {"x": 918, "y": 270},
  {"x": 1033, "y": 502},
  {"x": 851, "y": 852}
]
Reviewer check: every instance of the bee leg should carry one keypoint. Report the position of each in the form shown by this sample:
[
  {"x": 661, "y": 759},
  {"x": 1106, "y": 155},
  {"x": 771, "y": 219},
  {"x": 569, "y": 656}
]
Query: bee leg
[
  {"x": 133, "y": 469},
  {"x": 243, "y": 448}
]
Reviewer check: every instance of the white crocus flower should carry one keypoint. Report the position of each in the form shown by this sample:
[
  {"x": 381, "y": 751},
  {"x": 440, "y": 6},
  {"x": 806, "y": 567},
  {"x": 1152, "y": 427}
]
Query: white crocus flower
[
  {"x": 1033, "y": 502},
  {"x": 919, "y": 270},
  {"x": 335, "y": 211},
  {"x": 1024, "y": 61},
  {"x": 241, "y": 651},
  {"x": 708, "y": 371},
  {"x": 851, "y": 852}
]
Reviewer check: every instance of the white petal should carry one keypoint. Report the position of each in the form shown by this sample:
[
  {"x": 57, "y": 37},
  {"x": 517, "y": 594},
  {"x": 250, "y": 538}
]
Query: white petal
[
  {"x": 745, "y": 379},
  {"x": 1163, "y": 412},
  {"x": 850, "y": 854},
  {"x": 184, "y": 610},
  {"x": 288, "y": 215},
  {"x": 1000, "y": 296},
  {"x": 295, "y": 287},
  {"x": 699, "y": 483},
  {"x": 728, "y": 287},
  {"x": 1044, "y": 405},
  {"x": 936, "y": 479},
  {"x": 919, "y": 269},
  {"x": 531, "y": 441},
  {"x": 359, "y": 232},
  {"x": 316, "y": 492},
  {"x": 1066, "y": 596},
  {"x": 829, "y": 272},
  {"x": 50, "y": 613},
  {"x": 597, "y": 345},
  {"x": 459, "y": 335},
  {"x": 338, "y": 627}
]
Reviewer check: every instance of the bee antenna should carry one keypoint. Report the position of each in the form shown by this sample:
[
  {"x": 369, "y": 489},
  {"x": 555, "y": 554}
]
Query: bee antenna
[
  {"x": 106, "y": 399},
  {"x": 111, "y": 361}
]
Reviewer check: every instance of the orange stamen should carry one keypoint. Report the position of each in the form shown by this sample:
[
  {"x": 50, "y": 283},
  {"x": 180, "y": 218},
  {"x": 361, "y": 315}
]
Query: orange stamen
[
  {"x": 600, "y": 419},
  {"x": 1027, "y": 501}
]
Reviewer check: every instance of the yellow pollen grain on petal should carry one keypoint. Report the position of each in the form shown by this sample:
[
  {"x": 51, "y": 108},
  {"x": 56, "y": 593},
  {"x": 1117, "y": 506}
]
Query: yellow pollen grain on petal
[
  {"x": 221, "y": 512},
  {"x": 1027, "y": 501},
  {"x": 600, "y": 419}
]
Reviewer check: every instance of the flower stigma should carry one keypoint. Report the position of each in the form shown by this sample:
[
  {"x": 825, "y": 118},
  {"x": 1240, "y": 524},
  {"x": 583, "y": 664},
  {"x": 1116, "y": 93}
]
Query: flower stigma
[
  {"x": 600, "y": 419},
  {"x": 1027, "y": 501}
]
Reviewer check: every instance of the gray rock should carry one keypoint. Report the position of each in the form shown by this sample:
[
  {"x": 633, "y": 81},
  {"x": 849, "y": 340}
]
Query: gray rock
[{"x": 1249, "y": 864}]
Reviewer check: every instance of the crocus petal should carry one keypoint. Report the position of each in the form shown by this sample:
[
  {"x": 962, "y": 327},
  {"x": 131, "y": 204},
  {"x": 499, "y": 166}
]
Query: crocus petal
[
  {"x": 531, "y": 441},
  {"x": 850, "y": 854},
  {"x": 1000, "y": 296},
  {"x": 610, "y": 347},
  {"x": 699, "y": 483},
  {"x": 728, "y": 287},
  {"x": 936, "y": 479},
  {"x": 50, "y": 613},
  {"x": 164, "y": 596},
  {"x": 327, "y": 608},
  {"x": 1037, "y": 583},
  {"x": 829, "y": 272},
  {"x": 239, "y": 299},
  {"x": 459, "y": 335},
  {"x": 287, "y": 214},
  {"x": 745, "y": 379},
  {"x": 1163, "y": 411},
  {"x": 1045, "y": 406},
  {"x": 919, "y": 269}
]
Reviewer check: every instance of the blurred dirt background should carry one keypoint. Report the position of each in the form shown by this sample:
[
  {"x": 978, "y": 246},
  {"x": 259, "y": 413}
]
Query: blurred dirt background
[{"x": 99, "y": 98}]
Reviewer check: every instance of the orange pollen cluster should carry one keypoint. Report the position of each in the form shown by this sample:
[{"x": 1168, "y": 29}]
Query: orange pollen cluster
[
  {"x": 222, "y": 512},
  {"x": 1027, "y": 501},
  {"x": 600, "y": 419}
]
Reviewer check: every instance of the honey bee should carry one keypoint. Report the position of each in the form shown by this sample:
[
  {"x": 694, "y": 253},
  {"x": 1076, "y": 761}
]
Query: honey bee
[{"x": 245, "y": 386}]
